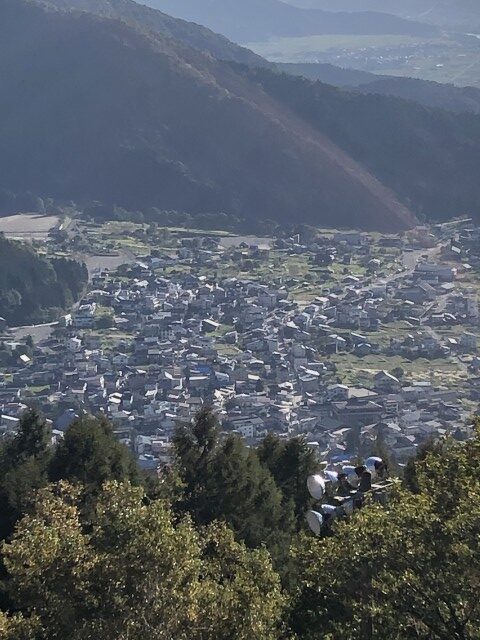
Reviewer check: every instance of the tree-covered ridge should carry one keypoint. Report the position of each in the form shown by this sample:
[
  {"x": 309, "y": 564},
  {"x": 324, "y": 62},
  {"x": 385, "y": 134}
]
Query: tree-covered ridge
[
  {"x": 150, "y": 20},
  {"x": 424, "y": 155},
  {"x": 34, "y": 288},
  {"x": 158, "y": 124},
  {"x": 426, "y": 92}
]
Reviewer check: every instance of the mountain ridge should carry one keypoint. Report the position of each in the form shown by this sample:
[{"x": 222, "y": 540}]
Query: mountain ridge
[
  {"x": 149, "y": 19},
  {"x": 426, "y": 92},
  {"x": 154, "y": 123},
  {"x": 453, "y": 13},
  {"x": 252, "y": 20}
]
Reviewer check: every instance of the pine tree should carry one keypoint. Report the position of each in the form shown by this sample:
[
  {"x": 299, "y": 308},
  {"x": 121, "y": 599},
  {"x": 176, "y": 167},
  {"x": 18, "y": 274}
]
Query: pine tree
[
  {"x": 226, "y": 481},
  {"x": 194, "y": 445},
  {"x": 195, "y": 448},
  {"x": 91, "y": 455},
  {"x": 290, "y": 463},
  {"x": 243, "y": 494},
  {"x": 23, "y": 468},
  {"x": 269, "y": 451},
  {"x": 33, "y": 438}
]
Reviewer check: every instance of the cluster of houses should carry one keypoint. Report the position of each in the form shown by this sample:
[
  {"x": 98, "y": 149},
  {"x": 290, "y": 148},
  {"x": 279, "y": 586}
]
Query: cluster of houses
[{"x": 153, "y": 342}]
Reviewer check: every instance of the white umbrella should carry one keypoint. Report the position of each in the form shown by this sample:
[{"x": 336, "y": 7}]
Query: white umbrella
[
  {"x": 315, "y": 521},
  {"x": 316, "y": 486}
]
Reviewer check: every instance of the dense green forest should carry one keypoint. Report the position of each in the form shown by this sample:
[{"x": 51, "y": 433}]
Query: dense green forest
[
  {"x": 34, "y": 288},
  {"x": 425, "y": 92},
  {"x": 215, "y": 547},
  {"x": 424, "y": 155}
]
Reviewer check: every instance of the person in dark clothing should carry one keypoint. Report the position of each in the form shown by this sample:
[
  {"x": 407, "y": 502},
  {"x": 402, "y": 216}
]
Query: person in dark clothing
[
  {"x": 381, "y": 470},
  {"x": 365, "y": 478},
  {"x": 344, "y": 486}
]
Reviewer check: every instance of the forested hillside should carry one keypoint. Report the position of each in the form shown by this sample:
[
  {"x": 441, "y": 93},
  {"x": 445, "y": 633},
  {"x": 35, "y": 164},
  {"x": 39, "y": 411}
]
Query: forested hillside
[
  {"x": 426, "y": 93},
  {"x": 34, "y": 289},
  {"x": 155, "y": 123},
  {"x": 430, "y": 94},
  {"x": 148, "y": 19},
  {"x": 216, "y": 547},
  {"x": 425, "y": 155}
]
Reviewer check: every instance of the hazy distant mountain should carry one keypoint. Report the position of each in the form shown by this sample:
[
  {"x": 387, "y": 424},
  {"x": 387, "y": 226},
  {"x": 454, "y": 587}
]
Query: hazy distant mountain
[
  {"x": 92, "y": 109},
  {"x": 441, "y": 12},
  {"x": 252, "y": 20},
  {"x": 427, "y": 93},
  {"x": 149, "y": 19}
]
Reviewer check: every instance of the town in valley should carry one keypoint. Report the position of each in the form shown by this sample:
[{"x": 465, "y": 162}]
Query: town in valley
[{"x": 352, "y": 340}]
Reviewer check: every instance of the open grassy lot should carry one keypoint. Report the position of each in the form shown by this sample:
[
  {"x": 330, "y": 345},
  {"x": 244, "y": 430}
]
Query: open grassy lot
[
  {"x": 28, "y": 226},
  {"x": 354, "y": 370}
]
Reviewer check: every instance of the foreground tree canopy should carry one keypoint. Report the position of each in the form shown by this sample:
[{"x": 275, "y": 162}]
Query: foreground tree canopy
[
  {"x": 100, "y": 554},
  {"x": 136, "y": 574}
]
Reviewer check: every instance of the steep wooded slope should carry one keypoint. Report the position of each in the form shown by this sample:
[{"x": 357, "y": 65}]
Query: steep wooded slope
[
  {"x": 32, "y": 287},
  {"x": 148, "y": 19},
  {"x": 91, "y": 109},
  {"x": 430, "y": 157},
  {"x": 425, "y": 92}
]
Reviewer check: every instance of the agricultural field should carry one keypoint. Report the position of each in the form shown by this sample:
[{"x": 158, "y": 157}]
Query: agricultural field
[
  {"x": 448, "y": 59},
  {"x": 360, "y": 371},
  {"x": 305, "y": 48}
]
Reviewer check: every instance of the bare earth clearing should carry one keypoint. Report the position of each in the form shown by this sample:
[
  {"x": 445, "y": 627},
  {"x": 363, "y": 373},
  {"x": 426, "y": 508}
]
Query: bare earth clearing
[
  {"x": 28, "y": 226},
  {"x": 97, "y": 263}
]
